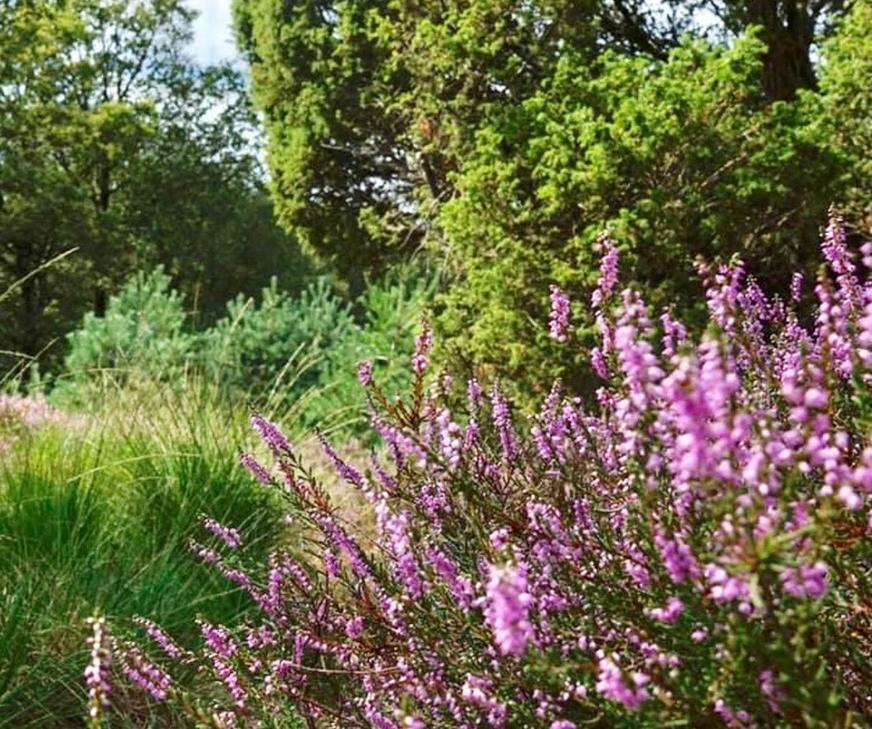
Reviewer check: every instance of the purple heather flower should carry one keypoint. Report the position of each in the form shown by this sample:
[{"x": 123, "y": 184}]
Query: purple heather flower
[
  {"x": 142, "y": 672},
  {"x": 477, "y": 691},
  {"x": 724, "y": 587},
  {"x": 598, "y": 362},
  {"x": 364, "y": 373},
  {"x": 255, "y": 468},
  {"x": 204, "y": 554},
  {"x": 156, "y": 633},
  {"x": 354, "y": 627},
  {"x": 611, "y": 684},
  {"x": 346, "y": 471},
  {"x": 395, "y": 531},
  {"x": 677, "y": 557},
  {"x": 796, "y": 287},
  {"x": 461, "y": 587},
  {"x": 503, "y": 422},
  {"x": 771, "y": 690},
  {"x": 271, "y": 435},
  {"x": 668, "y": 614},
  {"x": 508, "y": 609},
  {"x": 97, "y": 671},
  {"x": 218, "y": 640},
  {"x": 421, "y": 356},
  {"x": 805, "y": 581},
  {"x": 608, "y": 271},
  {"x": 474, "y": 393},
  {"x": 344, "y": 543},
  {"x": 228, "y": 676},
  {"x": 229, "y": 536},
  {"x": 560, "y": 313}
]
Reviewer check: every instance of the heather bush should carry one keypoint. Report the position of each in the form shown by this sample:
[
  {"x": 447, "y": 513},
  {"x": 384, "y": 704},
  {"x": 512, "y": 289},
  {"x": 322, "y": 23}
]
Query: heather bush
[{"x": 693, "y": 551}]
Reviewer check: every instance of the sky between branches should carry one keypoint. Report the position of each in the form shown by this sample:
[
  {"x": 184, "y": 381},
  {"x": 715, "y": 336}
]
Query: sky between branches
[{"x": 213, "y": 34}]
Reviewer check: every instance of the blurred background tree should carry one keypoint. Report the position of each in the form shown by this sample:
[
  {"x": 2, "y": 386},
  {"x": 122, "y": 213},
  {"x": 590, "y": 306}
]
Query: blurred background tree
[{"x": 113, "y": 141}]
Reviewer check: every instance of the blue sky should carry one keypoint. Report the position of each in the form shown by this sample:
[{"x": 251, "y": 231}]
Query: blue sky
[{"x": 213, "y": 37}]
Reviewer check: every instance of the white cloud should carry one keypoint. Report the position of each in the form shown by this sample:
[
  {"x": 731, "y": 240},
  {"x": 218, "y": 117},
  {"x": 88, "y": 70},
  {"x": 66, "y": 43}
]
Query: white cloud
[{"x": 213, "y": 31}]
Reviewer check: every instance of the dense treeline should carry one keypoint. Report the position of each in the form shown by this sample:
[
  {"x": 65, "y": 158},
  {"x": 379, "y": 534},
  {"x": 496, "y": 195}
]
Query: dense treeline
[
  {"x": 115, "y": 143},
  {"x": 505, "y": 137}
]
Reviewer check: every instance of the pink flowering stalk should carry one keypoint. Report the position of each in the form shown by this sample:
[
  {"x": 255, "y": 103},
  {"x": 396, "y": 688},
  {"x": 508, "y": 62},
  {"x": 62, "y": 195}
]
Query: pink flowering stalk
[
  {"x": 97, "y": 673},
  {"x": 508, "y": 609},
  {"x": 560, "y": 313},
  {"x": 690, "y": 548}
]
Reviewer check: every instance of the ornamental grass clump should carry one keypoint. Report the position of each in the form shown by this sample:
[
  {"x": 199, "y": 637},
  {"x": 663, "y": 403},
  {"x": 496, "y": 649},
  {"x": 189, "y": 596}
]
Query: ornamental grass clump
[{"x": 694, "y": 550}]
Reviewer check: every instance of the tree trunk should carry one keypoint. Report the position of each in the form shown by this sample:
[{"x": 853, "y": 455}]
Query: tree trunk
[{"x": 788, "y": 31}]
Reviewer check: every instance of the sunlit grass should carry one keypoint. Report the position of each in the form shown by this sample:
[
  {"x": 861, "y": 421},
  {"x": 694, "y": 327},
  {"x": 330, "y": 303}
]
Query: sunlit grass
[{"x": 95, "y": 517}]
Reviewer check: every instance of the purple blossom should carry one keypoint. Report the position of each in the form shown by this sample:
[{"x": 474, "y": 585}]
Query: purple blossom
[
  {"x": 142, "y": 672},
  {"x": 218, "y": 640},
  {"x": 395, "y": 530},
  {"x": 271, "y": 435},
  {"x": 678, "y": 558},
  {"x": 477, "y": 691},
  {"x": 668, "y": 614},
  {"x": 157, "y": 634},
  {"x": 507, "y": 609},
  {"x": 724, "y": 587},
  {"x": 613, "y": 686},
  {"x": 796, "y": 287},
  {"x": 347, "y": 472},
  {"x": 421, "y": 356},
  {"x": 255, "y": 468},
  {"x": 608, "y": 271},
  {"x": 503, "y": 423},
  {"x": 805, "y": 581},
  {"x": 229, "y": 536},
  {"x": 474, "y": 393},
  {"x": 461, "y": 587},
  {"x": 342, "y": 542},
  {"x": 771, "y": 690},
  {"x": 364, "y": 373},
  {"x": 97, "y": 671},
  {"x": 560, "y": 313},
  {"x": 230, "y": 678}
]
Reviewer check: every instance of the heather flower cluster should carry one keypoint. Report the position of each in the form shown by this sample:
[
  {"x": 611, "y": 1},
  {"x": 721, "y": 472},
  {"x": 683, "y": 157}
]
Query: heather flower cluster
[
  {"x": 20, "y": 416},
  {"x": 97, "y": 672},
  {"x": 692, "y": 549}
]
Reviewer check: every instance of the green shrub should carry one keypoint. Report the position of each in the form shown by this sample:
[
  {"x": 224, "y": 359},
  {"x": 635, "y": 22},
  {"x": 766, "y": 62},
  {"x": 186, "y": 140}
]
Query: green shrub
[
  {"x": 677, "y": 159},
  {"x": 143, "y": 335},
  {"x": 259, "y": 347},
  {"x": 282, "y": 354},
  {"x": 391, "y": 312}
]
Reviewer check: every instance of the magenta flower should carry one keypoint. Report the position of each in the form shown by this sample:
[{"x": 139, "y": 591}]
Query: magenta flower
[
  {"x": 421, "y": 356},
  {"x": 805, "y": 581},
  {"x": 560, "y": 313},
  {"x": 507, "y": 609},
  {"x": 97, "y": 671},
  {"x": 364, "y": 373},
  {"x": 613, "y": 686},
  {"x": 271, "y": 435}
]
